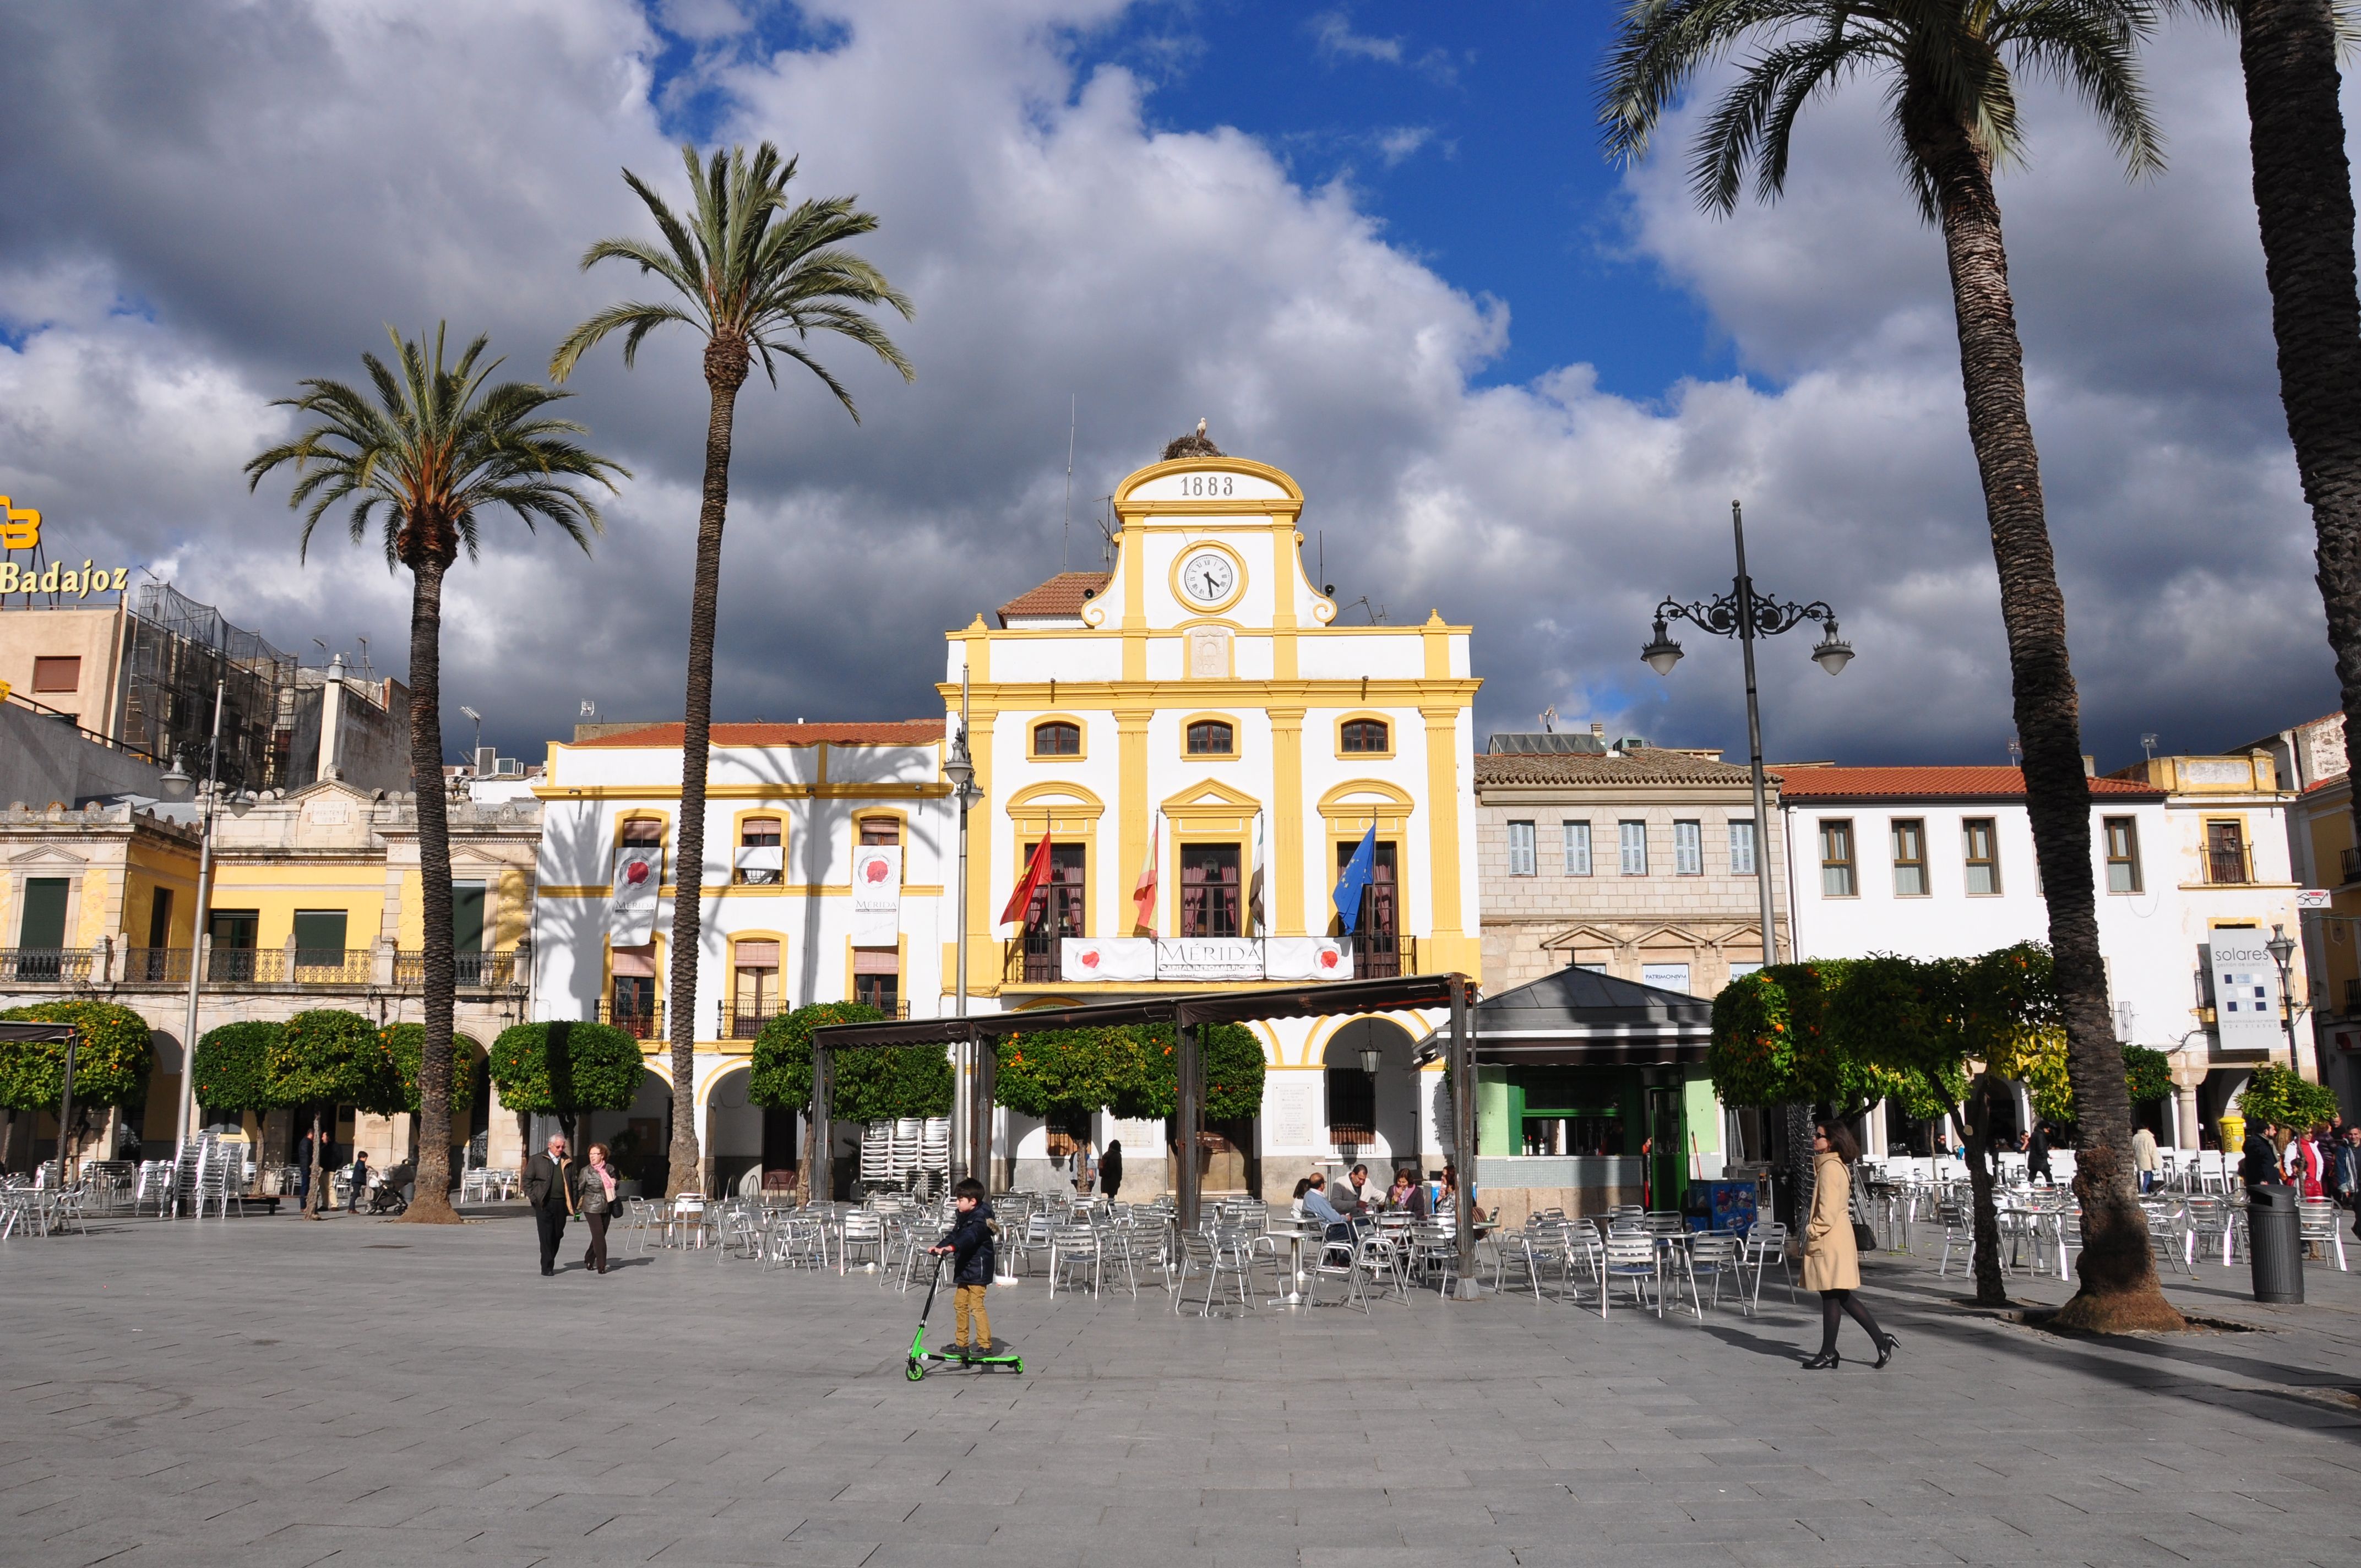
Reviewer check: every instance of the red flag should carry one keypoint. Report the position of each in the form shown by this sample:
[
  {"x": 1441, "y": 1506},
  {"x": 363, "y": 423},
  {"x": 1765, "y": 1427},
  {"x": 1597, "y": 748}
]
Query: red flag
[
  {"x": 1142, "y": 893},
  {"x": 1036, "y": 875}
]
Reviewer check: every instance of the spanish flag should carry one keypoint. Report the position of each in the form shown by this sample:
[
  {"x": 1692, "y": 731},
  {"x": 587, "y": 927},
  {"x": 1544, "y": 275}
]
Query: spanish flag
[{"x": 1036, "y": 872}]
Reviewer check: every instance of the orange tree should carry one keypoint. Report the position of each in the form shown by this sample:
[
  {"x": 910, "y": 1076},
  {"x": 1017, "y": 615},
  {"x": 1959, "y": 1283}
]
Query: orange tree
[
  {"x": 112, "y": 1060},
  {"x": 327, "y": 1057}
]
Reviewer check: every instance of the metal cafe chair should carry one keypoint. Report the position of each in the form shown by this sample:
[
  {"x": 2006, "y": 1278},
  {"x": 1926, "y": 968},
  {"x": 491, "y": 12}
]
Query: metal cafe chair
[{"x": 1635, "y": 1260}]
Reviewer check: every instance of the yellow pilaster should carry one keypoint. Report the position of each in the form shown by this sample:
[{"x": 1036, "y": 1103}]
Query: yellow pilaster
[
  {"x": 1442, "y": 811},
  {"x": 1286, "y": 817},
  {"x": 1437, "y": 638},
  {"x": 1131, "y": 807},
  {"x": 983, "y": 937},
  {"x": 1286, "y": 553},
  {"x": 1135, "y": 607}
]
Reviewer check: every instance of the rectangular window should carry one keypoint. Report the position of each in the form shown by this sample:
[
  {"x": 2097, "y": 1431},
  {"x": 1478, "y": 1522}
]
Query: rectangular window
[
  {"x": 761, "y": 859},
  {"x": 57, "y": 675},
  {"x": 757, "y": 976},
  {"x": 1057, "y": 912},
  {"x": 881, "y": 830},
  {"x": 1521, "y": 856},
  {"x": 2225, "y": 852},
  {"x": 1740, "y": 971},
  {"x": 1377, "y": 953},
  {"x": 1979, "y": 845},
  {"x": 1631, "y": 841},
  {"x": 320, "y": 939},
  {"x": 2122, "y": 855},
  {"x": 160, "y": 919},
  {"x": 644, "y": 830},
  {"x": 882, "y": 992},
  {"x": 1835, "y": 860},
  {"x": 1209, "y": 889},
  {"x": 1909, "y": 857},
  {"x": 467, "y": 917},
  {"x": 1577, "y": 847},
  {"x": 1689, "y": 849},
  {"x": 44, "y": 924},
  {"x": 1741, "y": 846}
]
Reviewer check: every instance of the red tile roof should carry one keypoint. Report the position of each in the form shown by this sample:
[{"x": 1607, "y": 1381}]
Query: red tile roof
[
  {"x": 851, "y": 732},
  {"x": 1802, "y": 785},
  {"x": 1063, "y": 595}
]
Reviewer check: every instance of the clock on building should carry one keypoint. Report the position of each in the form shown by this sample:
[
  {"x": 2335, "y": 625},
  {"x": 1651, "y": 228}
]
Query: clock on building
[{"x": 1208, "y": 576}]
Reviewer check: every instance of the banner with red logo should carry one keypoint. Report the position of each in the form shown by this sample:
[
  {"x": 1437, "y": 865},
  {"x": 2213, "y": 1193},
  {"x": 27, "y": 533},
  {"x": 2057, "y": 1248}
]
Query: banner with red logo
[
  {"x": 1202, "y": 958},
  {"x": 877, "y": 895},
  {"x": 638, "y": 872},
  {"x": 1306, "y": 958},
  {"x": 1110, "y": 958}
]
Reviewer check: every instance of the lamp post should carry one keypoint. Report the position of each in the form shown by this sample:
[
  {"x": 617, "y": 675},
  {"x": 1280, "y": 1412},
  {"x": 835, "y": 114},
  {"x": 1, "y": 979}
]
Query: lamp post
[
  {"x": 176, "y": 784},
  {"x": 1744, "y": 614},
  {"x": 2281, "y": 947},
  {"x": 959, "y": 767}
]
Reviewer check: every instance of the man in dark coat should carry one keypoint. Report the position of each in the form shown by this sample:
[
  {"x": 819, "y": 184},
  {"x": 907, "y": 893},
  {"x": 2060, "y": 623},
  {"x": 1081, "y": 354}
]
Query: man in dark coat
[
  {"x": 2258, "y": 1162},
  {"x": 549, "y": 1189},
  {"x": 1111, "y": 1169},
  {"x": 2036, "y": 1155}
]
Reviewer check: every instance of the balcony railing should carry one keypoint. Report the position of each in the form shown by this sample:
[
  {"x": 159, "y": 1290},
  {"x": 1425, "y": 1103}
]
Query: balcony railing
[
  {"x": 1029, "y": 961},
  {"x": 156, "y": 966},
  {"x": 2352, "y": 859},
  {"x": 745, "y": 1023},
  {"x": 334, "y": 966},
  {"x": 45, "y": 966},
  {"x": 474, "y": 972},
  {"x": 2352, "y": 998},
  {"x": 641, "y": 1024},
  {"x": 246, "y": 965},
  {"x": 2228, "y": 867}
]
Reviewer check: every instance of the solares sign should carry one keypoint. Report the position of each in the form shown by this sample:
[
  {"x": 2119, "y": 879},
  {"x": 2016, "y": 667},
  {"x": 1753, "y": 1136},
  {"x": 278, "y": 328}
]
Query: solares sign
[{"x": 20, "y": 529}]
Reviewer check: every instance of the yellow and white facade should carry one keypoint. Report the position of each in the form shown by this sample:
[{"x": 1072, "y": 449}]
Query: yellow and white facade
[{"x": 1203, "y": 709}]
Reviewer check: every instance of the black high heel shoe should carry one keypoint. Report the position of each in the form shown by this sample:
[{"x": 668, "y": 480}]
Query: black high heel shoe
[
  {"x": 1885, "y": 1349},
  {"x": 1825, "y": 1359}
]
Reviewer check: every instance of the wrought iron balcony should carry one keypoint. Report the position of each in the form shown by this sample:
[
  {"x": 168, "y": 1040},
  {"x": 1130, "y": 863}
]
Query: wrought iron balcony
[
  {"x": 45, "y": 966},
  {"x": 640, "y": 1023},
  {"x": 2352, "y": 859},
  {"x": 473, "y": 972},
  {"x": 156, "y": 966},
  {"x": 2229, "y": 867}
]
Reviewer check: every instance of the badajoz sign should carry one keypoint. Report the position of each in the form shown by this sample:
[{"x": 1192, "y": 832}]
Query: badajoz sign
[{"x": 20, "y": 529}]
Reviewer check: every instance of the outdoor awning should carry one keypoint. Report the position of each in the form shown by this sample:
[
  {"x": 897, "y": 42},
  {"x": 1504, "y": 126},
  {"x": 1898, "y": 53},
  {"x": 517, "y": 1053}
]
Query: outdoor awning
[
  {"x": 57, "y": 1034},
  {"x": 1577, "y": 1017},
  {"x": 1215, "y": 1007}
]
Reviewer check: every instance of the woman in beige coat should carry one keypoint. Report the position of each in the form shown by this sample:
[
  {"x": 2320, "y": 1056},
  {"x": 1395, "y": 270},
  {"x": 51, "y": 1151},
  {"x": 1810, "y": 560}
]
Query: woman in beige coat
[{"x": 1831, "y": 1262}]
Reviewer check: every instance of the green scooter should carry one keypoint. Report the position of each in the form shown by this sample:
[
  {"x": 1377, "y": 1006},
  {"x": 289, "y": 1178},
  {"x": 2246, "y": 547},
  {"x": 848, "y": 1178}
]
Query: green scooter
[{"x": 920, "y": 1356}]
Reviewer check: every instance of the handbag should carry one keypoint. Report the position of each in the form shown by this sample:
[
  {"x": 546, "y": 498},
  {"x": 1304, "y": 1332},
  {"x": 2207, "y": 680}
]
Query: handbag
[{"x": 1864, "y": 1238}]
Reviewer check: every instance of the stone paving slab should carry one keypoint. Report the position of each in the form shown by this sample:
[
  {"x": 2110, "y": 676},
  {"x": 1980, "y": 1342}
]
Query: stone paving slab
[{"x": 269, "y": 1391}]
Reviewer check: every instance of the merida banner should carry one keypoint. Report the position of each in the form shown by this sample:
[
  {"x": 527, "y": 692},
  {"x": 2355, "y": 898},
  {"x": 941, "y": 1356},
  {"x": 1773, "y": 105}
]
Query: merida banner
[
  {"x": 2246, "y": 990},
  {"x": 1203, "y": 958}
]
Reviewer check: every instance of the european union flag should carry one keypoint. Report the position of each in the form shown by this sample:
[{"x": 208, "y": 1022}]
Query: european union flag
[{"x": 1356, "y": 877}]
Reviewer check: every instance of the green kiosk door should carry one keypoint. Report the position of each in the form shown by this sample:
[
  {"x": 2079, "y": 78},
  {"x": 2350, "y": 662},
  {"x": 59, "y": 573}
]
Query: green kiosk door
[{"x": 1665, "y": 1165}]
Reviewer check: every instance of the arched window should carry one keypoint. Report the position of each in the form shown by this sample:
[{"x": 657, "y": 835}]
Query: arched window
[
  {"x": 1056, "y": 738},
  {"x": 1212, "y": 738},
  {"x": 1365, "y": 735}
]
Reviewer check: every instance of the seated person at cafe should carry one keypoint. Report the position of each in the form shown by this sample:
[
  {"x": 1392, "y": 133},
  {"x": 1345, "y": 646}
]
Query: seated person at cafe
[
  {"x": 1317, "y": 1209},
  {"x": 1357, "y": 1193}
]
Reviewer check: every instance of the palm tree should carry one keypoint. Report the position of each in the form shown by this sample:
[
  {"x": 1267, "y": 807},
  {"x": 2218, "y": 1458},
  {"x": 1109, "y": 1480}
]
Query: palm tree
[
  {"x": 1946, "y": 66},
  {"x": 2303, "y": 196},
  {"x": 434, "y": 448},
  {"x": 755, "y": 277}
]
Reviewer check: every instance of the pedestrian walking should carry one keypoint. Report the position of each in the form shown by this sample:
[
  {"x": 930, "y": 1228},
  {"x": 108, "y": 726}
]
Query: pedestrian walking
[
  {"x": 2348, "y": 1175},
  {"x": 1111, "y": 1169},
  {"x": 1832, "y": 1257},
  {"x": 2143, "y": 1160},
  {"x": 2036, "y": 1155},
  {"x": 2258, "y": 1161},
  {"x": 358, "y": 1191},
  {"x": 595, "y": 1201},
  {"x": 549, "y": 1188},
  {"x": 2304, "y": 1163}
]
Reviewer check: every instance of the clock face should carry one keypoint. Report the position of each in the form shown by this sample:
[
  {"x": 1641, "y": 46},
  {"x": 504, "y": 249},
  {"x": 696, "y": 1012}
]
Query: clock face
[{"x": 1208, "y": 576}]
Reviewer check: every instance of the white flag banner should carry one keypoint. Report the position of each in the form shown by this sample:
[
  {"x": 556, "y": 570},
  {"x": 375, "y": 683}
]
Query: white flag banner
[
  {"x": 1307, "y": 958},
  {"x": 877, "y": 895},
  {"x": 1106, "y": 958},
  {"x": 638, "y": 872},
  {"x": 1209, "y": 958},
  {"x": 2246, "y": 990}
]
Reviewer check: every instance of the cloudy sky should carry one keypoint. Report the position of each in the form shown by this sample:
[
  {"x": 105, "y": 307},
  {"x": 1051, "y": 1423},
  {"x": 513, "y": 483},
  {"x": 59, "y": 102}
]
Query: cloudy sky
[{"x": 1373, "y": 244}]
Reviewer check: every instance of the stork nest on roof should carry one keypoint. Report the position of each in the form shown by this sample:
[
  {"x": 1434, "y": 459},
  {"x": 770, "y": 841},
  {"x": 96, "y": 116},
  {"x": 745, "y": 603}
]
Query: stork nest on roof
[{"x": 1189, "y": 446}]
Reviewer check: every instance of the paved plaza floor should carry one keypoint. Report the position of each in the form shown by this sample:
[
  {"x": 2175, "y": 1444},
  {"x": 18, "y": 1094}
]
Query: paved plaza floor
[{"x": 263, "y": 1392}]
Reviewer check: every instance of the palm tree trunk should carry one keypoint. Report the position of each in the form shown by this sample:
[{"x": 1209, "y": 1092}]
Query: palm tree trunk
[
  {"x": 317, "y": 1197},
  {"x": 2303, "y": 196},
  {"x": 433, "y": 1182},
  {"x": 2119, "y": 1288},
  {"x": 726, "y": 364}
]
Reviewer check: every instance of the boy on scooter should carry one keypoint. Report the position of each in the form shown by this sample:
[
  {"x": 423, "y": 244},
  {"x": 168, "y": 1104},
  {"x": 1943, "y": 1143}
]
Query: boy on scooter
[{"x": 969, "y": 1242}]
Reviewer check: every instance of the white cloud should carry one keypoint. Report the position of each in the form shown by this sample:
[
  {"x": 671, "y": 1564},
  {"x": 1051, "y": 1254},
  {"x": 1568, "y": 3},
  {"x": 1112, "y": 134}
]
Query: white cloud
[
  {"x": 1333, "y": 31},
  {"x": 225, "y": 199}
]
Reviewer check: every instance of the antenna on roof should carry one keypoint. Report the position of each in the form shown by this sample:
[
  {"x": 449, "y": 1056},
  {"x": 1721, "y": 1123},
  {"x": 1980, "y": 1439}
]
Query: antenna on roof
[
  {"x": 2148, "y": 744},
  {"x": 2016, "y": 753},
  {"x": 1106, "y": 530},
  {"x": 1549, "y": 721},
  {"x": 1073, "y": 407}
]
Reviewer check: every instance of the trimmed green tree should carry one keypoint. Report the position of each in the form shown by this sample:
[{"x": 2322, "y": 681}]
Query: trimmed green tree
[
  {"x": 871, "y": 1083},
  {"x": 327, "y": 1057},
  {"x": 233, "y": 1069},
  {"x": 562, "y": 1069},
  {"x": 2275, "y": 1094},
  {"x": 112, "y": 1062}
]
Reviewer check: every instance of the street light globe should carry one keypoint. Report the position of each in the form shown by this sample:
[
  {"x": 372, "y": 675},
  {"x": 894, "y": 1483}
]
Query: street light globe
[
  {"x": 241, "y": 802},
  {"x": 1662, "y": 652},
  {"x": 174, "y": 782},
  {"x": 1834, "y": 652},
  {"x": 959, "y": 767},
  {"x": 2281, "y": 948}
]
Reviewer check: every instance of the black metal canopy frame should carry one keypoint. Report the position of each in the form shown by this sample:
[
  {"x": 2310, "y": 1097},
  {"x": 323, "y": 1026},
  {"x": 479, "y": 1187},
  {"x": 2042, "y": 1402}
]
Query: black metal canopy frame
[
  {"x": 53, "y": 1034},
  {"x": 1188, "y": 1014}
]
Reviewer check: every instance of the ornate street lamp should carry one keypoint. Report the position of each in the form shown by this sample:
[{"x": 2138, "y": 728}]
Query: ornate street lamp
[
  {"x": 1744, "y": 614},
  {"x": 2281, "y": 947},
  {"x": 959, "y": 770}
]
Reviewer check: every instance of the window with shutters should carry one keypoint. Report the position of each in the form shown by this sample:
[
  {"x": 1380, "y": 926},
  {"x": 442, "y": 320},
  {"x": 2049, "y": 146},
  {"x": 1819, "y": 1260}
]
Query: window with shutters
[
  {"x": 1837, "y": 879},
  {"x": 1521, "y": 856},
  {"x": 1909, "y": 857},
  {"x": 1689, "y": 849},
  {"x": 1741, "y": 846},
  {"x": 1577, "y": 847},
  {"x": 760, "y": 855},
  {"x": 881, "y": 830},
  {"x": 1632, "y": 842}
]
